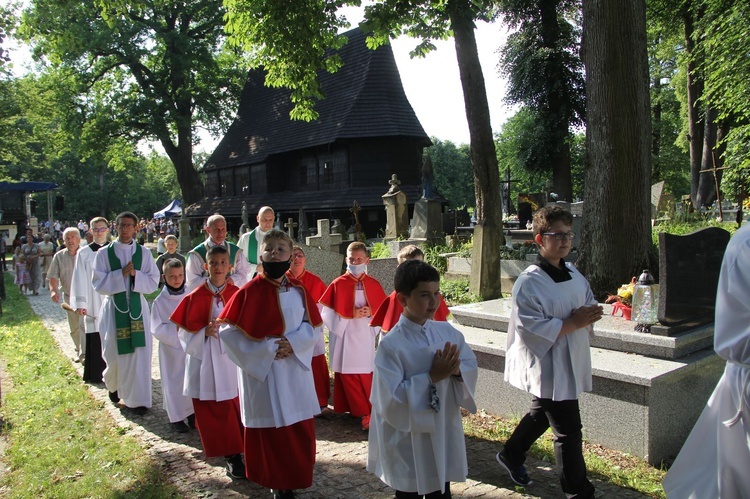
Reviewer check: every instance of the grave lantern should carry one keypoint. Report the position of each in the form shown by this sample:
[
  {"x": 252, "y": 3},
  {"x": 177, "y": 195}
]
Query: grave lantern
[{"x": 645, "y": 302}]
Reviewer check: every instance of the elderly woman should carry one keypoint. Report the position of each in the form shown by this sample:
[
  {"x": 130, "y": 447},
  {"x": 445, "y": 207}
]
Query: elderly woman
[
  {"x": 48, "y": 251},
  {"x": 33, "y": 255}
]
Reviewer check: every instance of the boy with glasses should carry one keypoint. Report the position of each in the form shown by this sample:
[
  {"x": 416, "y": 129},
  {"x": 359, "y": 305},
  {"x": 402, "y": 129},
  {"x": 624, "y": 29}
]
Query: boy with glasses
[{"x": 548, "y": 353}]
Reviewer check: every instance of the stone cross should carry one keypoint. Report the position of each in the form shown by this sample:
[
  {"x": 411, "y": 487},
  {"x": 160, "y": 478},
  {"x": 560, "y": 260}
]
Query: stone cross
[
  {"x": 394, "y": 183},
  {"x": 324, "y": 239},
  {"x": 290, "y": 225}
]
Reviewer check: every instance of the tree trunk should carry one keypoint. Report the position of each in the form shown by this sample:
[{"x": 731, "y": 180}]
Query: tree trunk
[
  {"x": 616, "y": 236},
  {"x": 181, "y": 155},
  {"x": 485, "y": 280},
  {"x": 558, "y": 110},
  {"x": 695, "y": 116},
  {"x": 656, "y": 112}
]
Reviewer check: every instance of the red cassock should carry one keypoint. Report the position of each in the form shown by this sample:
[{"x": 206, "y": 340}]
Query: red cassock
[
  {"x": 316, "y": 287},
  {"x": 351, "y": 391},
  {"x": 390, "y": 311},
  {"x": 219, "y": 424}
]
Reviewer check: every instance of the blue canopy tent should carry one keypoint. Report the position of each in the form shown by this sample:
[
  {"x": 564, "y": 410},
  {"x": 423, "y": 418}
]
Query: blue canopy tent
[{"x": 171, "y": 210}]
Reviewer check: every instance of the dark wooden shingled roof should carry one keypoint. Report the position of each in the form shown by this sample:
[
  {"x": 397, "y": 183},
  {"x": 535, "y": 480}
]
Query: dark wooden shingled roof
[{"x": 365, "y": 98}]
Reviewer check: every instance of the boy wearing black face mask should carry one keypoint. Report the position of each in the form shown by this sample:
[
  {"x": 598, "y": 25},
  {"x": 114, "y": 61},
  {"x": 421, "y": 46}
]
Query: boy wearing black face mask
[
  {"x": 348, "y": 304},
  {"x": 269, "y": 333},
  {"x": 210, "y": 376}
]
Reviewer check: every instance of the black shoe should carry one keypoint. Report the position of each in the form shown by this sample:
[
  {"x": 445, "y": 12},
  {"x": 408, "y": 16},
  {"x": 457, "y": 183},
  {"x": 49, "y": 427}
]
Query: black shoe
[
  {"x": 235, "y": 466},
  {"x": 114, "y": 397},
  {"x": 517, "y": 473},
  {"x": 191, "y": 421},
  {"x": 138, "y": 411},
  {"x": 180, "y": 427},
  {"x": 283, "y": 494}
]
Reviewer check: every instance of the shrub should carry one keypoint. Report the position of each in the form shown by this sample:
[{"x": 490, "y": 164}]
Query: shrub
[
  {"x": 456, "y": 292},
  {"x": 380, "y": 250}
]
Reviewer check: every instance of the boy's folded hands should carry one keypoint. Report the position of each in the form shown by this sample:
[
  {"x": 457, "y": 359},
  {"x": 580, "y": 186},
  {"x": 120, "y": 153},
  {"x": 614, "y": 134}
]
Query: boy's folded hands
[{"x": 445, "y": 362}]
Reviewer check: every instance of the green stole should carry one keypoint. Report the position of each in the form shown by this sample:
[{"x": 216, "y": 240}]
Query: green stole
[
  {"x": 131, "y": 333},
  {"x": 202, "y": 249},
  {"x": 252, "y": 247}
]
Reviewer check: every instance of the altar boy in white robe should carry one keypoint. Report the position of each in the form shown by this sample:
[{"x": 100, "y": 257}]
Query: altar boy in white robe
[
  {"x": 269, "y": 333},
  {"x": 715, "y": 460},
  {"x": 124, "y": 271},
  {"x": 424, "y": 373},
  {"x": 548, "y": 353},
  {"x": 171, "y": 354}
]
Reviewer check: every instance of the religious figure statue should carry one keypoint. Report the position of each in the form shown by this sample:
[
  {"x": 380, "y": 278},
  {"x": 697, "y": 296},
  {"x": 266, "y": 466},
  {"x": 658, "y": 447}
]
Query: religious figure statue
[
  {"x": 245, "y": 223},
  {"x": 395, "y": 183},
  {"x": 428, "y": 179}
]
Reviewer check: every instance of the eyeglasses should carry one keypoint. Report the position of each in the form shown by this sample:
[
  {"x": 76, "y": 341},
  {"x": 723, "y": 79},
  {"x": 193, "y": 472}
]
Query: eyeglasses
[
  {"x": 561, "y": 236},
  {"x": 100, "y": 229},
  {"x": 298, "y": 255}
]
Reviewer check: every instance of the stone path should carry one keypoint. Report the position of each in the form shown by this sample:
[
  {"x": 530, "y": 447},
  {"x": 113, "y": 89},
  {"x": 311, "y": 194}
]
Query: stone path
[{"x": 341, "y": 450}]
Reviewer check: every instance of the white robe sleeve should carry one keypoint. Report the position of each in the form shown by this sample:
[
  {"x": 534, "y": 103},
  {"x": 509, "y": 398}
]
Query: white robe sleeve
[
  {"x": 80, "y": 283},
  {"x": 336, "y": 325},
  {"x": 106, "y": 281},
  {"x": 402, "y": 403},
  {"x": 147, "y": 279},
  {"x": 162, "y": 328},
  {"x": 253, "y": 357},
  {"x": 241, "y": 273},
  {"x": 195, "y": 272},
  {"x": 303, "y": 342},
  {"x": 192, "y": 343},
  {"x": 464, "y": 390},
  {"x": 538, "y": 330}
]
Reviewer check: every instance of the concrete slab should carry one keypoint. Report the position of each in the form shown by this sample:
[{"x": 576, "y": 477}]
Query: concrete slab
[{"x": 613, "y": 333}]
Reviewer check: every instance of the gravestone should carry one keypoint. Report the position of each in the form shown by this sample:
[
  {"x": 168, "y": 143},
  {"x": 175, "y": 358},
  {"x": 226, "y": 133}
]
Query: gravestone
[
  {"x": 328, "y": 265},
  {"x": 325, "y": 240},
  {"x": 428, "y": 220},
  {"x": 396, "y": 210},
  {"x": 338, "y": 228},
  {"x": 290, "y": 225},
  {"x": 689, "y": 269},
  {"x": 656, "y": 193}
]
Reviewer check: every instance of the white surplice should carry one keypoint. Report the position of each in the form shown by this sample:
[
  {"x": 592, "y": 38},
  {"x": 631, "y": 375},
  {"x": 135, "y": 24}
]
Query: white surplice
[
  {"x": 413, "y": 447},
  {"x": 196, "y": 274},
  {"x": 209, "y": 373},
  {"x": 715, "y": 460},
  {"x": 171, "y": 356},
  {"x": 128, "y": 374},
  {"x": 276, "y": 393},
  {"x": 538, "y": 361},
  {"x": 82, "y": 293},
  {"x": 351, "y": 342},
  {"x": 244, "y": 244}
]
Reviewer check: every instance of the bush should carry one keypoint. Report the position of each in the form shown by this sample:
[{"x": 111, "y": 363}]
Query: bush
[
  {"x": 456, "y": 292},
  {"x": 380, "y": 250}
]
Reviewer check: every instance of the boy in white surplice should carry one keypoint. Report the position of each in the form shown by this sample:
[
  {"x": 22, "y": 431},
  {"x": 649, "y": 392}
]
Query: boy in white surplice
[
  {"x": 424, "y": 373},
  {"x": 548, "y": 353}
]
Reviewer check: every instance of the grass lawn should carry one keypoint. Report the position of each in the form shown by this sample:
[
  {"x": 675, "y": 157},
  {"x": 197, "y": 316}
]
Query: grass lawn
[
  {"x": 608, "y": 465},
  {"x": 60, "y": 442}
]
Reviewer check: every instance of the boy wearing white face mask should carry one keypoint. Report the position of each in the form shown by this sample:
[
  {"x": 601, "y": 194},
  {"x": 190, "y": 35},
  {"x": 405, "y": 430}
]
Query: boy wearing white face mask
[{"x": 348, "y": 304}]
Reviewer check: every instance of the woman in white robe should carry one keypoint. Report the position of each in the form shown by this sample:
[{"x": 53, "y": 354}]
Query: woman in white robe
[{"x": 715, "y": 460}]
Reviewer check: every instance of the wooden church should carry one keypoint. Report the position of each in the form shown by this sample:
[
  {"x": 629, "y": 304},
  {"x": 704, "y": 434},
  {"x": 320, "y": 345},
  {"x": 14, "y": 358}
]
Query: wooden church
[{"x": 366, "y": 132}]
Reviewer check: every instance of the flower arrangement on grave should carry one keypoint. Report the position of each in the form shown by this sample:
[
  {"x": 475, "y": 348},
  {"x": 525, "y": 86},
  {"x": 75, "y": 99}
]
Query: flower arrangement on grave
[{"x": 623, "y": 300}]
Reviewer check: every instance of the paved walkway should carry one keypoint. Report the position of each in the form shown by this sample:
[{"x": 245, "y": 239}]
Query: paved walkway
[{"x": 341, "y": 450}]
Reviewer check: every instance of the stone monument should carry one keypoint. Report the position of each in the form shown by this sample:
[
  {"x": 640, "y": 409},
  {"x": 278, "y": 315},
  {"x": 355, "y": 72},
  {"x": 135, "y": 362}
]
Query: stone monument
[
  {"x": 304, "y": 230},
  {"x": 245, "y": 221},
  {"x": 428, "y": 214},
  {"x": 396, "y": 210},
  {"x": 325, "y": 240},
  {"x": 290, "y": 225}
]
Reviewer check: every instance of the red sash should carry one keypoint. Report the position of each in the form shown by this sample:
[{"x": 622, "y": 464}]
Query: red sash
[
  {"x": 256, "y": 310},
  {"x": 340, "y": 294},
  {"x": 194, "y": 311}
]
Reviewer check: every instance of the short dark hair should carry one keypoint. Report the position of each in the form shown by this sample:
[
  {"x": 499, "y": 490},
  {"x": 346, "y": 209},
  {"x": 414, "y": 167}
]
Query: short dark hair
[
  {"x": 545, "y": 217},
  {"x": 410, "y": 273},
  {"x": 171, "y": 263},
  {"x": 410, "y": 252},
  {"x": 127, "y": 214},
  {"x": 216, "y": 250}
]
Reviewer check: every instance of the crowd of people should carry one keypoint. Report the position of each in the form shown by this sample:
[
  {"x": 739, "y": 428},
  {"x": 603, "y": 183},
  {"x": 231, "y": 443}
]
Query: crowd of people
[{"x": 243, "y": 360}]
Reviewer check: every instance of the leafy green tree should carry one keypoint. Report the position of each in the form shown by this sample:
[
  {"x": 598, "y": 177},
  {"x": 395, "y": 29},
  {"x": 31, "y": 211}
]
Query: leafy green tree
[
  {"x": 156, "y": 69},
  {"x": 7, "y": 23},
  {"x": 545, "y": 74},
  {"x": 517, "y": 140},
  {"x": 291, "y": 41},
  {"x": 453, "y": 176}
]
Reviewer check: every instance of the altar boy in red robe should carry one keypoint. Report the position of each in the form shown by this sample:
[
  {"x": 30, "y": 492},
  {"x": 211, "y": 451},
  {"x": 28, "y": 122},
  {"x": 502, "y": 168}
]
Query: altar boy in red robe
[
  {"x": 315, "y": 288},
  {"x": 348, "y": 304},
  {"x": 390, "y": 310},
  {"x": 269, "y": 333},
  {"x": 210, "y": 377}
]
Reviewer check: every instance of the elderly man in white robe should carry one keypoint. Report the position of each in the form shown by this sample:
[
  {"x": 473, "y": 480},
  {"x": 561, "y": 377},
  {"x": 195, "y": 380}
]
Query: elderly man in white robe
[
  {"x": 195, "y": 266},
  {"x": 251, "y": 242},
  {"x": 715, "y": 460},
  {"x": 124, "y": 271},
  {"x": 87, "y": 302}
]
